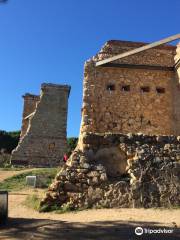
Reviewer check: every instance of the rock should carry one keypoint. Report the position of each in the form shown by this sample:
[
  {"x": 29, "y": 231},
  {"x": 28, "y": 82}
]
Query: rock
[
  {"x": 69, "y": 187},
  {"x": 89, "y": 155},
  {"x": 99, "y": 167},
  {"x": 176, "y": 171},
  {"x": 85, "y": 165},
  {"x": 103, "y": 177},
  {"x": 167, "y": 146},
  {"x": 157, "y": 160},
  {"x": 95, "y": 180},
  {"x": 178, "y": 138},
  {"x": 90, "y": 192},
  {"x": 130, "y": 135},
  {"x": 62, "y": 173},
  {"x": 84, "y": 160},
  {"x": 122, "y": 139},
  {"x": 93, "y": 174},
  {"x": 82, "y": 170}
]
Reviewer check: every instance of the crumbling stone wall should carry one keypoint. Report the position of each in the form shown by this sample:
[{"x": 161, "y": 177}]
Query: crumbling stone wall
[
  {"x": 30, "y": 102},
  {"x": 153, "y": 165},
  {"x": 135, "y": 94},
  {"x": 43, "y": 136}
]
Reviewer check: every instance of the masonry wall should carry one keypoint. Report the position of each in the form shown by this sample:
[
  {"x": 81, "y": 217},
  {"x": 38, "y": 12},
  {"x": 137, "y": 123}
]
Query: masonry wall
[
  {"x": 135, "y": 94},
  {"x": 177, "y": 89},
  {"x": 153, "y": 165},
  {"x": 110, "y": 168},
  {"x": 30, "y": 102},
  {"x": 45, "y": 140}
]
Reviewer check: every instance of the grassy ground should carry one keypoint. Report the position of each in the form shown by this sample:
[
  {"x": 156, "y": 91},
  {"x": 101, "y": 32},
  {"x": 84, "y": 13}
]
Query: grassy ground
[
  {"x": 11, "y": 169},
  {"x": 18, "y": 182},
  {"x": 32, "y": 201}
]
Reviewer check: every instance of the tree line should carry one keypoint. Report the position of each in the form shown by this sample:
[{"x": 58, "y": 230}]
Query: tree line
[{"x": 9, "y": 141}]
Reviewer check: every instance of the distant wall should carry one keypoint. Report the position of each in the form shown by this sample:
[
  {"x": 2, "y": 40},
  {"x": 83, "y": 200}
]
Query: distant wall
[
  {"x": 30, "y": 102},
  {"x": 8, "y": 140},
  {"x": 45, "y": 142}
]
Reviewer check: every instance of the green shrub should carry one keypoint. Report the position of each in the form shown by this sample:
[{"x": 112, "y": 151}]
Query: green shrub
[
  {"x": 55, "y": 208},
  {"x": 32, "y": 201},
  {"x": 72, "y": 143},
  {"x": 9, "y": 140},
  {"x": 5, "y": 160}
]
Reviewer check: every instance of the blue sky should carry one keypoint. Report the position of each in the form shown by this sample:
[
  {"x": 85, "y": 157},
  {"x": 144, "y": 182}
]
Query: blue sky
[{"x": 49, "y": 40}]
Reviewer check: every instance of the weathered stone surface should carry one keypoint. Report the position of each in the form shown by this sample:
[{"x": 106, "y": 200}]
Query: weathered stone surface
[
  {"x": 133, "y": 97},
  {"x": 114, "y": 160},
  {"x": 153, "y": 179},
  {"x": 30, "y": 102},
  {"x": 43, "y": 135}
]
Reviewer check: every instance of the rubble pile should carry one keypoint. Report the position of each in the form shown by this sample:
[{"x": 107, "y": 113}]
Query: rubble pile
[{"x": 151, "y": 180}]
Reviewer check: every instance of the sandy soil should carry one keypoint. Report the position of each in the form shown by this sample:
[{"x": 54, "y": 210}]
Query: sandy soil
[{"x": 166, "y": 217}]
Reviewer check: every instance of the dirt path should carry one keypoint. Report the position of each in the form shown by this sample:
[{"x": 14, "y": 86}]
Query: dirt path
[
  {"x": 8, "y": 174},
  {"x": 164, "y": 217},
  {"x": 106, "y": 224},
  {"x": 28, "y": 224}
]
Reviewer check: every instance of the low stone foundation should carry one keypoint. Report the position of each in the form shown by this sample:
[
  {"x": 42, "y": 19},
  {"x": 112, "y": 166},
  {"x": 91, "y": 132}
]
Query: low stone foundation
[{"x": 151, "y": 177}]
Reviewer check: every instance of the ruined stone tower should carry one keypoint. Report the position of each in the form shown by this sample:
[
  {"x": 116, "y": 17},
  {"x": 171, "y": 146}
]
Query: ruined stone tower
[
  {"x": 43, "y": 133},
  {"x": 138, "y": 93}
]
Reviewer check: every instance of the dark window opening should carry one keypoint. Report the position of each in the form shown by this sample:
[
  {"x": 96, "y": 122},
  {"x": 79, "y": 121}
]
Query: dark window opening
[
  {"x": 125, "y": 88},
  {"x": 149, "y": 122},
  {"x": 160, "y": 90},
  {"x": 141, "y": 118},
  {"x": 110, "y": 87},
  {"x": 114, "y": 124},
  {"x": 145, "y": 89}
]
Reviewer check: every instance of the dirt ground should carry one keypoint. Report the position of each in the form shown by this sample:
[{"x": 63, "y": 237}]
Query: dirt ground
[
  {"x": 161, "y": 217},
  {"x": 26, "y": 223},
  {"x": 106, "y": 224}
]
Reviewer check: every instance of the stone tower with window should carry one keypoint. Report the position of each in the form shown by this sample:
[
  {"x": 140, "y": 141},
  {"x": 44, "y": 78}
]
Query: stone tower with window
[{"x": 138, "y": 93}]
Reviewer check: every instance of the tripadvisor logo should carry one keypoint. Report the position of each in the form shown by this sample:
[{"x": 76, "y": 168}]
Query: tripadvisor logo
[{"x": 138, "y": 231}]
